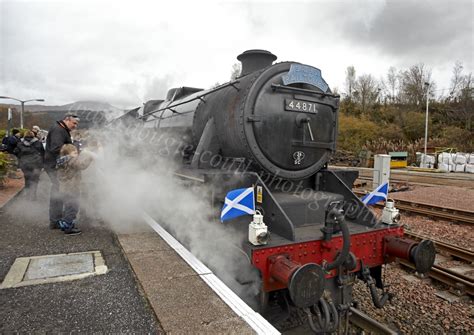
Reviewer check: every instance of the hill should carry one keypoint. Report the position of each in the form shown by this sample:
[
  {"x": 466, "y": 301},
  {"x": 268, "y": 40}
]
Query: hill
[{"x": 92, "y": 114}]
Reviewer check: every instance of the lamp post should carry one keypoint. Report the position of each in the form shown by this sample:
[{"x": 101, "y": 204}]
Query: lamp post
[
  {"x": 427, "y": 85},
  {"x": 22, "y": 106}
]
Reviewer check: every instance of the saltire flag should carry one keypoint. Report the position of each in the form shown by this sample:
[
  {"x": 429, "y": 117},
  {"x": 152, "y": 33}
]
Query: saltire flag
[
  {"x": 379, "y": 194},
  {"x": 238, "y": 202}
]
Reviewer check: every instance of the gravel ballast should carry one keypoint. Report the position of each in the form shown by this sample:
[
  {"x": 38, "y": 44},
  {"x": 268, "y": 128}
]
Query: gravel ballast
[{"x": 416, "y": 309}]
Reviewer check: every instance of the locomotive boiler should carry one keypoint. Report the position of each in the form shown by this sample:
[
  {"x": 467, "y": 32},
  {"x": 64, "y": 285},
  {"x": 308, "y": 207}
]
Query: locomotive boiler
[{"x": 274, "y": 128}]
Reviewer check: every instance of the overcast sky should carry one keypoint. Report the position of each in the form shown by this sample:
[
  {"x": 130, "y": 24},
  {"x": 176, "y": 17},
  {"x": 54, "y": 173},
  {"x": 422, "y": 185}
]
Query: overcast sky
[{"x": 126, "y": 52}]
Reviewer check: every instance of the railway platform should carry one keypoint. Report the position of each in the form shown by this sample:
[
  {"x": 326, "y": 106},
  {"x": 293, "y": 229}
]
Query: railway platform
[{"x": 99, "y": 281}]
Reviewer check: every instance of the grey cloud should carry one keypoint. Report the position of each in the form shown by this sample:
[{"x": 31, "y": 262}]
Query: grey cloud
[
  {"x": 127, "y": 53},
  {"x": 417, "y": 30},
  {"x": 157, "y": 88}
]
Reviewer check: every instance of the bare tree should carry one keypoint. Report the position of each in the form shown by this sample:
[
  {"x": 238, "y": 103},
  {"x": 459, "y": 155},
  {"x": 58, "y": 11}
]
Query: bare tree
[
  {"x": 461, "y": 96},
  {"x": 412, "y": 84},
  {"x": 457, "y": 80},
  {"x": 367, "y": 91},
  {"x": 466, "y": 97},
  {"x": 392, "y": 83},
  {"x": 350, "y": 81}
]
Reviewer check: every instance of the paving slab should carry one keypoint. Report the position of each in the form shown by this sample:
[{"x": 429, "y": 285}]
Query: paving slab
[
  {"x": 187, "y": 303},
  {"x": 143, "y": 242},
  {"x": 54, "y": 266},
  {"x": 182, "y": 301},
  {"x": 157, "y": 266}
]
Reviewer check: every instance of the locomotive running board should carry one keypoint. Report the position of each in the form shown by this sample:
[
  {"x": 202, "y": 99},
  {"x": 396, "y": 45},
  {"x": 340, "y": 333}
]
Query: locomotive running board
[{"x": 253, "y": 319}]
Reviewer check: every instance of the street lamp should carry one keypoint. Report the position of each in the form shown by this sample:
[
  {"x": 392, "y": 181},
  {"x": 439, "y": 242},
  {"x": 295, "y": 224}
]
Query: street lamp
[
  {"x": 427, "y": 85},
  {"x": 22, "y": 106}
]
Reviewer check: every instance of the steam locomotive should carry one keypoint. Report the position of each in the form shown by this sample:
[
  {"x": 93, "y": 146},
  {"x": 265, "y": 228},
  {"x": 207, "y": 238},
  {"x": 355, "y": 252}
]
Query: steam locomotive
[{"x": 274, "y": 128}]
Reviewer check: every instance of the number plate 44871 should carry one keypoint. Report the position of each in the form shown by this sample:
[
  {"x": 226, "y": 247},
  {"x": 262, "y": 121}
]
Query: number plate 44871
[{"x": 300, "y": 106}]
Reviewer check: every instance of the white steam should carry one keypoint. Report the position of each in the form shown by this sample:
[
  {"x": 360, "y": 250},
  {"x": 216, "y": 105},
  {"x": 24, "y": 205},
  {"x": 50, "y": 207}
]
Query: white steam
[{"x": 129, "y": 177}]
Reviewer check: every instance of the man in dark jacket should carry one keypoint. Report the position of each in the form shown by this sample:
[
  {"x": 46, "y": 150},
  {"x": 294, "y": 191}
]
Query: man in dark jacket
[{"x": 58, "y": 135}]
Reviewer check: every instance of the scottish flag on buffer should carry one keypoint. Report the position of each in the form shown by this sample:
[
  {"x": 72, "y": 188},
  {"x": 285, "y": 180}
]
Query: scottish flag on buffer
[
  {"x": 379, "y": 194},
  {"x": 238, "y": 202}
]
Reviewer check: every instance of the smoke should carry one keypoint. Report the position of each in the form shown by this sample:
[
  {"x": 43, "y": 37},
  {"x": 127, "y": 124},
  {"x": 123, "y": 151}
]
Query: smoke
[{"x": 133, "y": 172}]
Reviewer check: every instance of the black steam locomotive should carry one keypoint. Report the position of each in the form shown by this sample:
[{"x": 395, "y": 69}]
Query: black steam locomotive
[{"x": 274, "y": 128}]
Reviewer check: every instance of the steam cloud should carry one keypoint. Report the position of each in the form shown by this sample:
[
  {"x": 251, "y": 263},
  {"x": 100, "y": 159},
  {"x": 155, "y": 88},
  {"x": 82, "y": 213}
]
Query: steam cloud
[{"x": 132, "y": 174}]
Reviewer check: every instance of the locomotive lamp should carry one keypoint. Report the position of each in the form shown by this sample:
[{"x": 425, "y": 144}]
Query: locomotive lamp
[
  {"x": 258, "y": 231},
  {"x": 390, "y": 214}
]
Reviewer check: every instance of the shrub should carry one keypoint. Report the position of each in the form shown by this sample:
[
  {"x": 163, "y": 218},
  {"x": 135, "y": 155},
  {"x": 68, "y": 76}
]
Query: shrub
[
  {"x": 414, "y": 125},
  {"x": 455, "y": 137},
  {"x": 4, "y": 166},
  {"x": 355, "y": 132}
]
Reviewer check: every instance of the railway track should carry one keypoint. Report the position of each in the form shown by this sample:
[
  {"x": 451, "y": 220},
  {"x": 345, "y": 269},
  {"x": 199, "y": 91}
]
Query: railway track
[
  {"x": 451, "y": 250},
  {"x": 455, "y": 279},
  {"x": 368, "y": 324},
  {"x": 460, "y": 282},
  {"x": 463, "y": 180},
  {"x": 445, "y": 213},
  {"x": 368, "y": 180}
]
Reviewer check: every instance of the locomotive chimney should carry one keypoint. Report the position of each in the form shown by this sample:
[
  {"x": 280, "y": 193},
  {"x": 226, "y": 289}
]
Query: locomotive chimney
[{"x": 254, "y": 60}]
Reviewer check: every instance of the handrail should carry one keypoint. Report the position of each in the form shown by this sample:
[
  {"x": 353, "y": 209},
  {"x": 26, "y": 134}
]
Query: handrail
[{"x": 200, "y": 97}]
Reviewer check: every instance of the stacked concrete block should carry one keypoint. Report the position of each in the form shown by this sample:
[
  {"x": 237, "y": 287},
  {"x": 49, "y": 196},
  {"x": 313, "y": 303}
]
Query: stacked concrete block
[
  {"x": 460, "y": 161},
  {"x": 470, "y": 163},
  {"x": 445, "y": 162},
  {"x": 427, "y": 161}
]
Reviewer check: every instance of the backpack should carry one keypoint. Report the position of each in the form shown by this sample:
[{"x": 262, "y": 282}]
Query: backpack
[
  {"x": 29, "y": 157},
  {"x": 12, "y": 143}
]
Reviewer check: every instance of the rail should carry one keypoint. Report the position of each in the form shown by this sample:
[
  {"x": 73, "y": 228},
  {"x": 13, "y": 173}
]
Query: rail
[
  {"x": 452, "y": 250},
  {"x": 448, "y": 277},
  {"x": 445, "y": 213},
  {"x": 365, "y": 322}
]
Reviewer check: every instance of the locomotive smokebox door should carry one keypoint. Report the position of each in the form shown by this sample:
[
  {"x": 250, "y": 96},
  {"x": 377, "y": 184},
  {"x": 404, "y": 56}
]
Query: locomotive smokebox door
[{"x": 301, "y": 113}]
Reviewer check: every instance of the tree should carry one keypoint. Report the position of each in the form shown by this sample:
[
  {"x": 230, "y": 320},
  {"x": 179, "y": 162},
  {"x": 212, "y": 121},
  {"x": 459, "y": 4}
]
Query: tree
[
  {"x": 392, "y": 83},
  {"x": 367, "y": 91},
  {"x": 461, "y": 97},
  {"x": 456, "y": 80},
  {"x": 412, "y": 82},
  {"x": 350, "y": 81}
]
